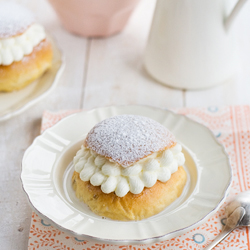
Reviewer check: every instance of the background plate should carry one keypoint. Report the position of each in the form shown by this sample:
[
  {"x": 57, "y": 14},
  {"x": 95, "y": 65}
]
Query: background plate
[
  {"x": 47, "y": 170},
  {"x": 16, "y": 102}
]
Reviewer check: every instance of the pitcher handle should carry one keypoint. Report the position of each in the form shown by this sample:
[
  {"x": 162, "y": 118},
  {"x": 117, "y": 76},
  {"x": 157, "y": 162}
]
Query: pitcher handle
[{"x": 234, "y": 13}]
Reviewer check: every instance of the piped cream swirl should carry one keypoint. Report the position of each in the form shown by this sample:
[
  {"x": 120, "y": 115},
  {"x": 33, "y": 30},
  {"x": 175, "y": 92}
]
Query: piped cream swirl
[
  {"x": 15, "y": 48},
  {"x": 112, "y": 177}
]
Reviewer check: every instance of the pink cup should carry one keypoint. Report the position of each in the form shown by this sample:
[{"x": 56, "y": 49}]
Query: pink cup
[{"x": 94, "y": 18}]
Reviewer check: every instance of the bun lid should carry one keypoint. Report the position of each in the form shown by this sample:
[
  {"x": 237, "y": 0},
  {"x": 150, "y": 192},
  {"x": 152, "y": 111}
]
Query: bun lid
[
  {"x": 126, "y": 139},
  {"x": 14, "y": 19}
]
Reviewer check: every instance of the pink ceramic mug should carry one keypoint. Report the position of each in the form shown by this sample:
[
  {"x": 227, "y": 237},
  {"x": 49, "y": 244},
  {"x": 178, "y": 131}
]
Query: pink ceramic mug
[{"x": 94, "y": 18}]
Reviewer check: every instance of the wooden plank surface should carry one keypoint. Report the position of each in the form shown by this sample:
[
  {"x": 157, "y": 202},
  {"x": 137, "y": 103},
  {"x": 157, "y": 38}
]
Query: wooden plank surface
[{"x": 115, "y": 68}]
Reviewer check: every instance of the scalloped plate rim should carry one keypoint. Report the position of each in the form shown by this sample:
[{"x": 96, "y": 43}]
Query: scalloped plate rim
[{"x": 145, "y": 240}]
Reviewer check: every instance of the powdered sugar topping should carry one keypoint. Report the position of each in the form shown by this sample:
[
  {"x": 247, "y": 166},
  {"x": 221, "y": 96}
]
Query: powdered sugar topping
[
  {"x": 125, "y": 139},
  {"x": 14, "y": 19}
]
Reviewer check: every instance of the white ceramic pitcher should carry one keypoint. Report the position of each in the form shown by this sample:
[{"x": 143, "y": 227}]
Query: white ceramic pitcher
[{"x": 189, "y": 44}]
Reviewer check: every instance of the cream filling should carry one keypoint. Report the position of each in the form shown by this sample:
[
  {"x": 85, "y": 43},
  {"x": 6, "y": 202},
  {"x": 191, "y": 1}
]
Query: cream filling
[
  {"x": 15, "y": 48},
  {"x": 112, "y": 177}
]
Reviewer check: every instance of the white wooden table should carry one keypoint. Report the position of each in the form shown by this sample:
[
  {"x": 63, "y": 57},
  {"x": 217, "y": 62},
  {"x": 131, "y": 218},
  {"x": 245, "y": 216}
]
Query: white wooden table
[{"x": 100, "y": 72}]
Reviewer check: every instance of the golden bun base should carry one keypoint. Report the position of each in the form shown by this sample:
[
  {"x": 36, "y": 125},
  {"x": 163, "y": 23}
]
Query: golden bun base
[
  {"x": 132, "y": 206},
  {"x": 19, "y": 74}
]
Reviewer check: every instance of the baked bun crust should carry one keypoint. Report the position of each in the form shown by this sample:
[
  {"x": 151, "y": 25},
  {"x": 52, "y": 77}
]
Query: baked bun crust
[
  {"x": 149, "y": 202},
  {"x": 19, "y": 74}
]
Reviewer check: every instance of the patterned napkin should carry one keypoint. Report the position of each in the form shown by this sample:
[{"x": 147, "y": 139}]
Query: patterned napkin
[{"x": 231, "y": 125}]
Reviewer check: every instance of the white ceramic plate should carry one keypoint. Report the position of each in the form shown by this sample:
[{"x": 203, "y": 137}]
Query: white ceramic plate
[
  {"x": 47, "y": 169},
  {"x": 16, "y": 102}
]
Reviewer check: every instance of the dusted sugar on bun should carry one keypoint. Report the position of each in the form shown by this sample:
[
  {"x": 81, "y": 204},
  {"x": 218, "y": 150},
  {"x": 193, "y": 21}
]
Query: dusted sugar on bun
[
  {"x": 126, "y": 139},
  {"x": 14, "y": 19},
  {"x": 126, "y": 160},
  {"x": 21, "y": 40}
]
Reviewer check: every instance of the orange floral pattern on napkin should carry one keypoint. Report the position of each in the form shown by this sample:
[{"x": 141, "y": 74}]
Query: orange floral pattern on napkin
[{"x": 231, "y": 125}]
